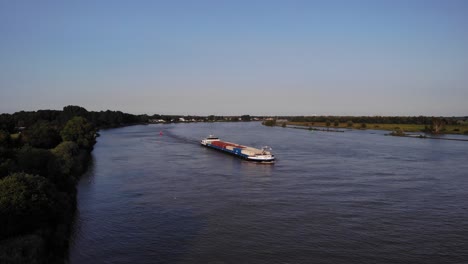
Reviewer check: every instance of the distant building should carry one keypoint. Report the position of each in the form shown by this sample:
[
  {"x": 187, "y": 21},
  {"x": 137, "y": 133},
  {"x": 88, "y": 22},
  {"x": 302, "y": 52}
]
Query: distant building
[{"x": 156, "y": 121}]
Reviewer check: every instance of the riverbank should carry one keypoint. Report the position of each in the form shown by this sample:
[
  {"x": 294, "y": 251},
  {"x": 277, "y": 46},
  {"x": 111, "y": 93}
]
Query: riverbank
[
  {"x": 449, "y": 129},
  {"x": 424, "y": 136},
  {"x": 43, "y": 155}
]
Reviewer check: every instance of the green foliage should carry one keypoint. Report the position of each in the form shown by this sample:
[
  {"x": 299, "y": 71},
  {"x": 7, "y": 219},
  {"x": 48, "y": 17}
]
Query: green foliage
[
  {"x": 328, "y": 123},
  {"x": 29, "y": 249},
  {"x": 64, "y": 156},
  {"x": 350, "y": 123},
  {"x": 67, "y": 163},
  {"x": 79, "y": 130},
  {"x": 271, "y": 122},
  {"x": 336, "y": 123},
  {"x": 42, "y": 135},
  {"x": 27, "y": 202},
  {"x": 5, "y": 138},
  {"x": 367, "y": 119},
  {"x": 438, "y": 125},
  {"x": 36, "y": 211},
  {"x": 72, "y": 111},
  {"x": 7, "y": 123},
  {"x": 7, "y": 166},
  {"x": 398, "y": 132},
  {"x": 33, "y": 160},
  {"x": 245, "y": 118},
  {"x": 363, "y": 125}
]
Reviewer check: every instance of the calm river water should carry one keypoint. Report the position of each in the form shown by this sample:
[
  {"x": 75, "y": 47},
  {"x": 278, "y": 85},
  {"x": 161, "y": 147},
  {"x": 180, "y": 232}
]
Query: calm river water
[{"x": 353, "y": 197}]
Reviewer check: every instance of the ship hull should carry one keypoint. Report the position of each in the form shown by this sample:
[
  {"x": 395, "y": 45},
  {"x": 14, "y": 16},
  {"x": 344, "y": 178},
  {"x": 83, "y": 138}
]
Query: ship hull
[{"x": 240, "y": 151}]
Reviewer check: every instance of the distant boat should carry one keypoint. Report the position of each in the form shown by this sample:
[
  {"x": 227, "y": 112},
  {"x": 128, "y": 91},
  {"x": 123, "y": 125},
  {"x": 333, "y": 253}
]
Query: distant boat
[{"x": 248, "y": 153}]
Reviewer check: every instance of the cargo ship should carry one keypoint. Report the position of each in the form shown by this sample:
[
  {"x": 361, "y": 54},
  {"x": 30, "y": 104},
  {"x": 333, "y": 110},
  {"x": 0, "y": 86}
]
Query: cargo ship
[{"x": 248, "y": 153}]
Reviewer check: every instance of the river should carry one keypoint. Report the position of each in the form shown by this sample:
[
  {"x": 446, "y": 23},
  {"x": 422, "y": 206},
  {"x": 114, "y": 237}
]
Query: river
[{"x": 353, "y": 197}]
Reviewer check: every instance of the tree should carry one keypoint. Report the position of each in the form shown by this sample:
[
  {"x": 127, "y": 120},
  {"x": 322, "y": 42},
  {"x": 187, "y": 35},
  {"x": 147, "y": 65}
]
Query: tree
[
  {"x": 65, "y": 165},
  {"x": 328, "y": 123},
  {"x": 245, "y": 117},
  {"x": 398, "y": 132},
  {"x": 5, "y": 138},
  {"x": 438, "y": 124},
  {"x": 283, "y": 125},
  {"x": 336, "y": 123},
  {"x": 363, "y": 125},
  {"x": 71, "y": 111},
  {"x": 7, "y": 123},
  {"x": 42, "y": 135},
  {"x": 7, "y": 154},
  {"x": 26, "y": 203},
  {"x": 79, "y": 130},
  {"x": 33, "y": 160},
  {"x": 7, "y": 166},
  {"x": 271, "y": 122},
  {"x": 350, "y": 123}
]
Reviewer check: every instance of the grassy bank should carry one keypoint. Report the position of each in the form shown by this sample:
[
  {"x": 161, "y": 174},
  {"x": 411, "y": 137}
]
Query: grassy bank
[{"x": 449, "y": 129}]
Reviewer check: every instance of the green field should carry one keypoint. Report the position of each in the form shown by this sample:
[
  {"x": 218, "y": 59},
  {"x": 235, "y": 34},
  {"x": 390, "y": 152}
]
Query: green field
[{"x": 449, "y": 129}]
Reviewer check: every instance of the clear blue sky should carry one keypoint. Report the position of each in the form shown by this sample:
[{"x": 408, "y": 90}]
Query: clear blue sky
[{"x": 236, "y": 57}]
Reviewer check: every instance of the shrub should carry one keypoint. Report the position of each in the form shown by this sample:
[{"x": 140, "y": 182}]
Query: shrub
[
  {"x": 398, "y": 132},
  {"x": 34, "y": 160},
  {"x": 29, "y": 249},
  {"x": 79, "y": 130},
  {"x": 7, "y": 167},
  {"x": 27, "y": 202},
  {"x": 65, "y": 165},
  {"x": 42, "y": 135},
  {"x": 5, "y": 138},
  {"x": 269, "y": 122}
]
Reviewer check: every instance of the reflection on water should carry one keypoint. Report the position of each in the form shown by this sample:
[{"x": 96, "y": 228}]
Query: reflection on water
[{"x": 353, "y": 197}]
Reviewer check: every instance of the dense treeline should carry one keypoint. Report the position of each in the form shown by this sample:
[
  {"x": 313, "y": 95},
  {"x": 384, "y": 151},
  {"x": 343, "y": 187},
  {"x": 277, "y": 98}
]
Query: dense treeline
[
  {"x": 420, "y": 120},
  {"x": 397, "y": 124},
  {"x": 42, "y": 155},
  {"x": 102, "y": 119},
  {"x": 194, "y": 118}
]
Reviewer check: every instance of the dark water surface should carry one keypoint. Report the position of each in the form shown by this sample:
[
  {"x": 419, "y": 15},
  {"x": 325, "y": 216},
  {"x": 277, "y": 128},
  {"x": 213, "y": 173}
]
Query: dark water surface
[{"x": 353, "y": 197}]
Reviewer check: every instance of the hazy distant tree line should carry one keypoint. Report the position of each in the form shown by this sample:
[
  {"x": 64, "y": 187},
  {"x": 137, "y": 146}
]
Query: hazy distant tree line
[
  {"x": 57, "y": 118},
  {"x": 420, "y": 120},
  {"x": 209, "y": 118},
  {"x": 42, "y": 155},
  {"x": 426, "y": 124}
]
